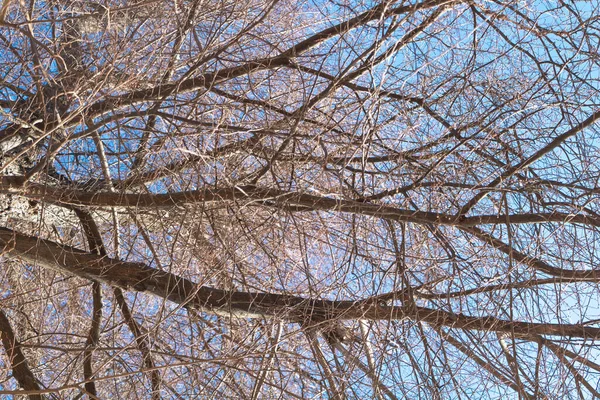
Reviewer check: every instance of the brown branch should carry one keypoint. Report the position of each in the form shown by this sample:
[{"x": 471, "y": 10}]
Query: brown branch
[
  {"x": 141, "y": 342},
  {"x": 559, "y": 140},
  {"x": 282, "y": 59},
  {"x": 18, "y": 362},
  {"x": 272, "y": 197},
  {"x": 576, "y": 357},
  {"x": 482, "y": 363},
  {"x": 95, "y": 242},
  {"x": 368, "y": 370},
  {"x": 536, "y": 263},
  {"x": 578, "y": 377},
  {"x": 92, "y": 340},
  {"x": 335, "y": 392},
  {"x": 207, "y": 80},
  {"x": 267, "y": 361},
  {"x": 4, "y": 9},
  {"x": 527, "y": 284},
  {"x": 169, "y": 286},
  {"x": 175, "y": 167}
]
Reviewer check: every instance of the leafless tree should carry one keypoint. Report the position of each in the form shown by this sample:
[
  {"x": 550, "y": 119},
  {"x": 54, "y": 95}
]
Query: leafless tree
[{"x": 269, "y": 199}]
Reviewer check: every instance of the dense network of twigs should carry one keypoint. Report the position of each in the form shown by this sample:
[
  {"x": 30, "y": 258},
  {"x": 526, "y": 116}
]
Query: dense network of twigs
[{"x": 277, "y": 199}]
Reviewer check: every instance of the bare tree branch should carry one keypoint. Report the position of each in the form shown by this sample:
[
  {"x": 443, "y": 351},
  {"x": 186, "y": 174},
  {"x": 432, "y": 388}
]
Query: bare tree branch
[{"x": 18, "y": 362}]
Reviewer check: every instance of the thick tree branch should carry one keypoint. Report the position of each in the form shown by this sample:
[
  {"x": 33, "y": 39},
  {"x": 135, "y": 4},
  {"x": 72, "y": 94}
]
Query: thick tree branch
[
  {"x": 92, "y": 340},
  {"x": 18, "y": 362},
  {"x": 295, "y": 201},
  {"x": 97, "y": 246},
  {"x": 140, "y": 277}
]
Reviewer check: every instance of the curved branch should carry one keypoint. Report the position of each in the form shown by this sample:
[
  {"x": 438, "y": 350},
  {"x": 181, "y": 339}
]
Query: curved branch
[
  {"x": 510, "y": 171},
  {"x": 175, "y": 288},
  {"x": 92, "y": 340},
  {"x": 97, "y": 247},
  {"x": 536, "y": 263},
  {"x": 18, "y": 362},
  {"x": 275, "y": 198}
]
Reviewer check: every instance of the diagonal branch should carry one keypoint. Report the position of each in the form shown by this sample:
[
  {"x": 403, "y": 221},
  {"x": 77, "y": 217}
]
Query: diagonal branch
[
  {"x": 18, "y": 362},
  {"x": 207, "y": 80},
  {"x": 95, "y": 242},
  {"x": 92, "y": 341},
  {"x": 267, "y": 361},
  {"x": 558, "y": 141},
  {"x": 533, "y": 262},
  {"x": 482, "y": 363},
  {"x": 336, "y": 392},
  {"x": 175, "y": 288},
  {"x": 287, "y": 200},
  {"x": 141, "y": 342},
  {"x": 368, "y": 370}
]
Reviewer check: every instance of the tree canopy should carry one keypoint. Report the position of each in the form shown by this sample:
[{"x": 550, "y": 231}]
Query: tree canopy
[{"x": 269, "y": 199}]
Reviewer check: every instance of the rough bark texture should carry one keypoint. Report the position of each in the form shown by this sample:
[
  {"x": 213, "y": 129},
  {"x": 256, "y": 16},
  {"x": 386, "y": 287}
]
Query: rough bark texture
[
  {"x": 140, "y": 277},
  {"x": 16, "y": 358}
]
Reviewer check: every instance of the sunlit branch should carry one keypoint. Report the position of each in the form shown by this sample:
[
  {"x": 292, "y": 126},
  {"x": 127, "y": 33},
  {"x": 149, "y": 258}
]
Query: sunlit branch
[
  {"x": 97, "y": 246},
  {"x": 479, "y": 361},
  {"x": 92, "y": 340},
  {"x": 511, "y": 170},
  {"x": 139, "y": 277},
  {"x": 536, "y": 263},
  {"x": 21, "y": 371},
  {"x": 275, "y": 198}
]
